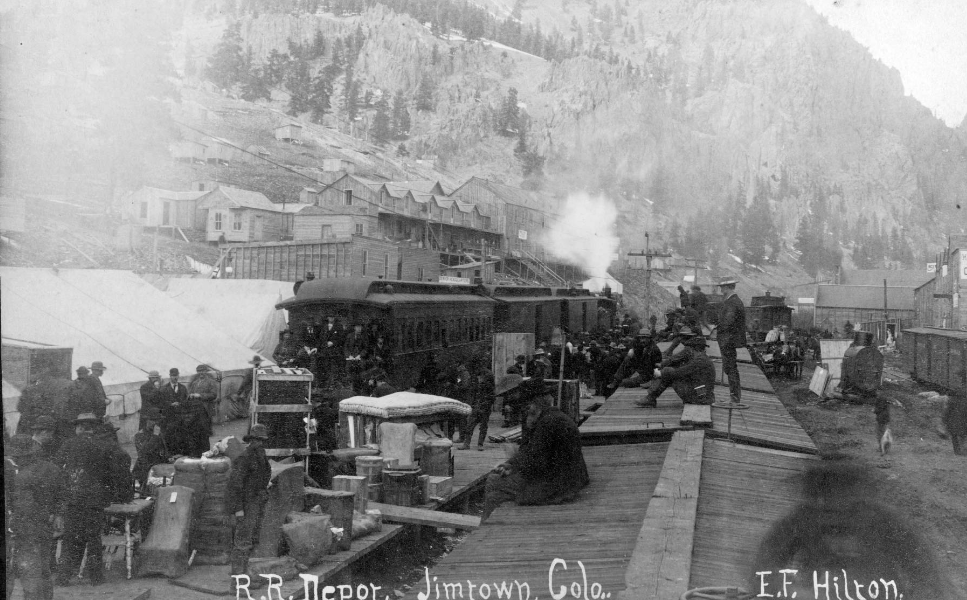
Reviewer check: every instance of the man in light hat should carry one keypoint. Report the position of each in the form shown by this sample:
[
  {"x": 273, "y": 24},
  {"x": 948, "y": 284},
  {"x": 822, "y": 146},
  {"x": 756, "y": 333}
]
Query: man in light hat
[
  {"x": 245, "y": 499},
  {"x": 35, "y": 515},
  {"x": 150, "y": 397},
  {"x": 97, "y": 369},
  {"x": 204, "y": 389},
  {"x": 731, "y": 335},
  {"x": 85, "y": 465},
  {"x": 693, "y": 380}
]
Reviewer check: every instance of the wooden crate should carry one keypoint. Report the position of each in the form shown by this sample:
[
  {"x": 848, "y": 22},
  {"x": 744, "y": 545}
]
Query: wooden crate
[{"x": 23, "y": 361}]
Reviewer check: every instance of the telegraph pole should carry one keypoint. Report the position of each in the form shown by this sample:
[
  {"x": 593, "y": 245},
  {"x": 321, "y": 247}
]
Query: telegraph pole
[
  {"x": 648, "y": 254},
  {"x": 695, "y": 265}
]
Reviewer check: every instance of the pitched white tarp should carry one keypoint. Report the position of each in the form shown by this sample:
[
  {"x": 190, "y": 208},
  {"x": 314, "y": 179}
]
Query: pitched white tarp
[
  {"x": 121, "y": 320},
  {"x": 596, "y": 284},
  {"x": 242, "y": 308}
]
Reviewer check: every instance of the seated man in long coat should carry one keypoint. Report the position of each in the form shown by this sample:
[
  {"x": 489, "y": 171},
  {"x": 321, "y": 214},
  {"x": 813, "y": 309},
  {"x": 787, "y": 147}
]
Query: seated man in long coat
[
  {"x": 548, "y": 468},
  {"x": 693, "y": 379}
]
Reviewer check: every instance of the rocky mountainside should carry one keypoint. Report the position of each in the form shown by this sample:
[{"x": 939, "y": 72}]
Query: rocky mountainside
[{"x": 691, "y": 109}]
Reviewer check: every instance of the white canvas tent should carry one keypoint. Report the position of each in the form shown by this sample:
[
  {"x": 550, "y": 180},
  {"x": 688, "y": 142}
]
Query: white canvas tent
[
  {"x": 242, "y": 308},
  {"x": 120, "y": 319},
  {"x": 596, "y": 284}
]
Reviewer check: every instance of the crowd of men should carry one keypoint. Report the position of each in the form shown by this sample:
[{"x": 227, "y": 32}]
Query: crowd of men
[{"x": 332, "y": 353}]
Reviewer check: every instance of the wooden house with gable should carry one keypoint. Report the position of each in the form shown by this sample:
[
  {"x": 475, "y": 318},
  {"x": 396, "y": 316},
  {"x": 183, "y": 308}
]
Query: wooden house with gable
[
  {"x": 155, "y": 207},
  {"x": 290, "y": 132},
  {"x": 236, "y": 215}
]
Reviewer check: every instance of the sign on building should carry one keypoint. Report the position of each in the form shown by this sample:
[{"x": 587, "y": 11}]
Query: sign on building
[
  {"x": 931, "y": 267},
  {"x": 963, "y": 264},
  {"x": 522, "y": 234},
  {"x": 448, "y": 279}
]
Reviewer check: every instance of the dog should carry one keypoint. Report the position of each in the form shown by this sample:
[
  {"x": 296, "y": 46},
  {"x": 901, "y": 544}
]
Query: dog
[{"x": 886, "y": 442}]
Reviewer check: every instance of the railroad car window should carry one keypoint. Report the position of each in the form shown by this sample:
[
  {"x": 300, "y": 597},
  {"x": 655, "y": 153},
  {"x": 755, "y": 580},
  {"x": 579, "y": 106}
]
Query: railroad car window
[
  {"x": 436, "y": 333},
  {"x": 476, "y": 329},
  {"x": 420, "y": 337},
  {"x": 411, "y": 336}
]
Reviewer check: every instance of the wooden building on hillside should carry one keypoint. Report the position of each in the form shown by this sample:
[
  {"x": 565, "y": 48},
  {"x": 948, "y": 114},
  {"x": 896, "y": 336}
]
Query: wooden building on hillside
[
  {"x": 188, "y": 151},
  {"x": 350, "y": 256},
  {"x": 221, "y": 151},
  {"x": 942, "y": 301},
  {"x": 155, "y": 207},
  {"x": 338, "y": 164},
  {"x": 235, "y": 215},
  {"x": 290, "y": 132}
]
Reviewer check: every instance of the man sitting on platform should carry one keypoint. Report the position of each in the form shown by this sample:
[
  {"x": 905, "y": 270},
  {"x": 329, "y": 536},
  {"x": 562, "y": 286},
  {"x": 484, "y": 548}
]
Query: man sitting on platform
[
  {"x": 548, "y": 468},
  {"x": 693, "y": 380}
]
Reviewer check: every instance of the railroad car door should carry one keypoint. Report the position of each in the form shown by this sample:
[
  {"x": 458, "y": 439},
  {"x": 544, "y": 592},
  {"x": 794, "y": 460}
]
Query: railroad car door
[
  {"x": 538, "y": 322},
  {"x": 565, "y": 316}
]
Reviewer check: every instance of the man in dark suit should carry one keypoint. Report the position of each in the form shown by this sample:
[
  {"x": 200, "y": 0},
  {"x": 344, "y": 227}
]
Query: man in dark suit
[
  {"x": 150, "y": 397},
  {"x": 330, "y": 343},
  {"x": 355, "y": 350},
  {"x": 174, "y": 403},
  {"x": 731, "y": 336}
]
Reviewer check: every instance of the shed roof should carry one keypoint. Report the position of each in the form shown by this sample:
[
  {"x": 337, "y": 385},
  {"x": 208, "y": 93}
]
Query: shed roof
[
  {"x": 398, "y": 188},
  {"x": 244, "y": 198},
  {"x": 869, "y": 297},
  {"x": 146, "y": 192},
  {"x": 894, "y": 278}
]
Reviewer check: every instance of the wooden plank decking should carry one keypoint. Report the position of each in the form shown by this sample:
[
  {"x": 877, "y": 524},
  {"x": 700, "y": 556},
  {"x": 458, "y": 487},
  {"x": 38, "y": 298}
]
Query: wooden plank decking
[
  {"x": 766, "y": 421},
  {"x": 743, "y": 491},
  {"x": 520, "y": 543}
]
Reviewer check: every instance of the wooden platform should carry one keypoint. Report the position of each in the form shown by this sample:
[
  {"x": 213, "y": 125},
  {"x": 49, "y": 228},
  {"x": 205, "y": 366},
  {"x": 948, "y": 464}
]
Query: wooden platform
[
  {"x": 766, "y": 422},
  {"x": 520, "y": 543},
  {"x": 742, "y": 355},
  {"x": 743, "y": 491},
  {"x": 619, "y": 416},
  {"x": 751, "y": 377}
]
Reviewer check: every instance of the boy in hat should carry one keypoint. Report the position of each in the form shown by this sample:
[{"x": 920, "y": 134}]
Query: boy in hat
[
  {"x": 245, "y": 499},
  {"x": 37, "y": 506},
  {"x": 150, "y": 447},
  {"x": 240, "y": 399},
  {"x": 85, "y": 465}
]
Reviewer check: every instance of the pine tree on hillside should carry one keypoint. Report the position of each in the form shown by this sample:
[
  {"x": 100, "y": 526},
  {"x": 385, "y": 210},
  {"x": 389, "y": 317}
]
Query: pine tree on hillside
[
  {"x": 253, "y": 85},
  {"x": 350, "y": 95},
  {"x": 381, "y": 121},
  {"x": 318, "y": 44},
  {"x": 299, "y": 83},
  {"x": 508, "y": 121},
  {"x": 424, "y": 95},
  {"x": 401, "y": 117},
  {"x": 401, "y": 151},
  {"x": 320, "y": 99},
  {"x": 276, "y": 68},
  {"x": 227, "y": 63},
  {"x": 338, "y": 55}
]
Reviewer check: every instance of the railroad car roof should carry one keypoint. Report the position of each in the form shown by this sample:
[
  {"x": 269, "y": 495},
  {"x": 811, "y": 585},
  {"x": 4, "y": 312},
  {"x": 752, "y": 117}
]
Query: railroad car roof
[
  {"x": 951, "y": 333},
  {"x": 380, "y": 292}
]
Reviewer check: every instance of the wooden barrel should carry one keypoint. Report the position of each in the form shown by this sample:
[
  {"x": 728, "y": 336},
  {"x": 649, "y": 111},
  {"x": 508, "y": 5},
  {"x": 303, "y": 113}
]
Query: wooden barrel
[
  {"x": 370, "y": 467},
  {"x": 401, "y": 487},
  {"x": 436, "y": 457}
]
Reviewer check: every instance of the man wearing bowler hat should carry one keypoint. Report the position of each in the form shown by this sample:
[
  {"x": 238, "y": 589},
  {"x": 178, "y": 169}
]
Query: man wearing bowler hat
[
  {"x": 150, "y": 397},
  {"x": 86, "y": 396},
  {"x": 731, "y": 336},
  {"x": 97, "y": 369},
  {"x": 35, "y": 515},
  {"x": 245, "y": 499},
  {"x": 85, "y": 464},
  {"x": 692, "y": 377}
]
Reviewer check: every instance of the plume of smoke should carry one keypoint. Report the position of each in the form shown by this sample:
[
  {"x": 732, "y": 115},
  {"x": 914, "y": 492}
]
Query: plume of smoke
[{"x": 586, "y": 235}]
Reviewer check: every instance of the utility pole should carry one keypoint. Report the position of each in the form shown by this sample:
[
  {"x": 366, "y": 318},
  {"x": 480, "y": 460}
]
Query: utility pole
[{"x": 648, "y": 254}]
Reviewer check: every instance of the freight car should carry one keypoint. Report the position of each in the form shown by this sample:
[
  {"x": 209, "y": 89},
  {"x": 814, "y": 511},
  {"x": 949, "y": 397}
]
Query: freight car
[
  {"x": 937, "y": 356},
  {"x": 444, "y": 321}
]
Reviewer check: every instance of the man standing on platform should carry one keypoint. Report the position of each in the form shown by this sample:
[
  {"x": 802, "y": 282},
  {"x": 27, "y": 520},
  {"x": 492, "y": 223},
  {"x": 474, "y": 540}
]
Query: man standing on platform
[
  {"x": 481, "y": 401},
  {"x": 204, "y": 388},
  {"x": 245, "y": 498},
  {"x": 36, "y": 514},
  {"x": 86, "y": 467},
  {"x": 548, "y": 468},
  {"x": 150, "y": 397},
  {"x": 330, "y": 343},
  {"x": 731, "y": 336},
  {"x": 43, "y": 431},
  {"x": 84, "y": 396}
]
